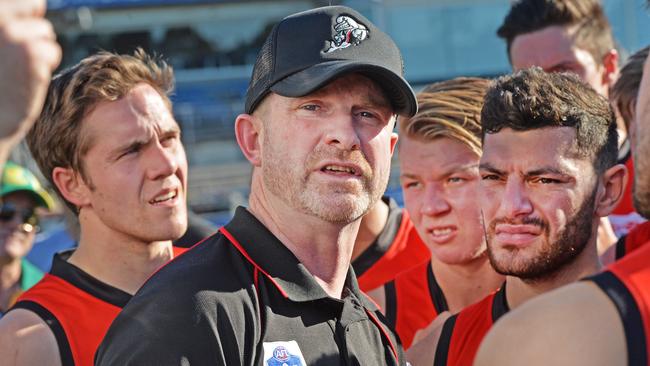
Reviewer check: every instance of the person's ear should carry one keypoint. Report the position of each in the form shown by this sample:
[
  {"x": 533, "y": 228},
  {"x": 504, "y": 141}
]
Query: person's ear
[
  {"x": 247, "y": 131},
  {"x": 612, "y": 188},
  {"x": 72, "y": 186},
  {"x": 610, "y": 68}
]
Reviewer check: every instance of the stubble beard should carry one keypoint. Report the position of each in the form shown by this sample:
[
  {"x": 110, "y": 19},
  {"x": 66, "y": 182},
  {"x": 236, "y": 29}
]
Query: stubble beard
[
  {"x": 340, "y": 203},
  {"x": 554, "y": 256}
]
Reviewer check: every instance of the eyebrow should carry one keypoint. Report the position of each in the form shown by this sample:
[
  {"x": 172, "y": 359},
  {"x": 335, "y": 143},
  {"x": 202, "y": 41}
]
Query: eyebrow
[
  {"x": 370, "y": 99},
  {"x": 489, "y": 167},
  {"x": 169, "y": 130},
  {"x": 445, "y": 173},
  {"x": 376, "y": 101},
  {"x": 138, "y": 142},
  {"x": 547, "y": 170},
  {"x": 120, "y": 150},
  {"x": 563, "y": 64},
  {"x": 532, "y": 173}
]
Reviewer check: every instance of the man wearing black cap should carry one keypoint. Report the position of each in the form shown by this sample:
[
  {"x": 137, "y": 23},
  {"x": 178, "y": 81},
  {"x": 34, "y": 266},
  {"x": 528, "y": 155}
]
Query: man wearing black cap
[{"x": 274, "y": 286}]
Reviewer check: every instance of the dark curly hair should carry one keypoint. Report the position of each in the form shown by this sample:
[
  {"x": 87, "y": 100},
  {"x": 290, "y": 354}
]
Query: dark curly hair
[
  {"x": 532, "y": 99},
  {"x": 593, "y": 34}
]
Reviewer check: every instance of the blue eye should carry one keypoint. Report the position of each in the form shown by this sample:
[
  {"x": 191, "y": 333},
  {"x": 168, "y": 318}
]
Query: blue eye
[{"x": 310, "y": 107}]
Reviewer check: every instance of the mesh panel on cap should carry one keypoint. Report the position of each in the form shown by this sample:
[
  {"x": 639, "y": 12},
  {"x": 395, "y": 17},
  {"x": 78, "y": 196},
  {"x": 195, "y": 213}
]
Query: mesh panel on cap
[{"x": 262, "y": 72}]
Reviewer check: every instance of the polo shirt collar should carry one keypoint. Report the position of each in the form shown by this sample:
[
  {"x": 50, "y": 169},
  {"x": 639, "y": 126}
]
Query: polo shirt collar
[{"x": 268, "y": 253}]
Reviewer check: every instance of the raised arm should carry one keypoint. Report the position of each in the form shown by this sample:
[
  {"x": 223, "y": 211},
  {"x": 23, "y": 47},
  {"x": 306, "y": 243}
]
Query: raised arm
[{"x": 28, "y": 55}]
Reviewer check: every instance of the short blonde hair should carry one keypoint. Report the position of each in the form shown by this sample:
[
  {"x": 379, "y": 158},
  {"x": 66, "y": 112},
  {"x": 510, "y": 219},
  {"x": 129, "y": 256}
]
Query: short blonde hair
[
  {"x": 450, "y": 109},
  {"x": 56, "y": 139}
]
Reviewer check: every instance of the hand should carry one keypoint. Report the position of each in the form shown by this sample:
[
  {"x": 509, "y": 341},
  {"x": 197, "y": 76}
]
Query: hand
[{"x": 28, "y": 55}]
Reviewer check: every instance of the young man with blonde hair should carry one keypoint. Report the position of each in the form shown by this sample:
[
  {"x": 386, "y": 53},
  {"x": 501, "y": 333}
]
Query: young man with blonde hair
[
  {"x": 108, "y": 143},
  {"x": 439, "y": 151}
]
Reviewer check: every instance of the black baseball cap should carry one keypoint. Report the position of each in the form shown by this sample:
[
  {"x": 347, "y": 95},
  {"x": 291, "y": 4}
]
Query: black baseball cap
[{"x": 307, "y": 50}]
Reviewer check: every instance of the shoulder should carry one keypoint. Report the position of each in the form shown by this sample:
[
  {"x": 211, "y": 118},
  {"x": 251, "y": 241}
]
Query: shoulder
[
  {"x": 202, "y": 299},
  {"x": 26, "y": 337},
  {"x": 206, "y": 277},
  {"x": 425, "y": 342},
  {"x": 209, "y": 264},
  {"x": 576, "y": 324}
]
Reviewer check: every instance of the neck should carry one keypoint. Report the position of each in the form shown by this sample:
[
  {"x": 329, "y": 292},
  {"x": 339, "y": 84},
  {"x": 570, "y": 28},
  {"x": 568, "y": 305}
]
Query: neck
[
  {"x": 10, "y": 272},
  {"x": 119, "y": 260},
  {"x": 519, "y": 290},
  {"x": 467, "y": 283},
  {"x": 324, "y": 248},
  {"x": 371, "y": 226}
]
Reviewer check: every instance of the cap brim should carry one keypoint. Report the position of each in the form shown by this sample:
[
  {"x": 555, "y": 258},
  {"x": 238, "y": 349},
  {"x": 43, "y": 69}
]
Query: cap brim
[
  {"x": 42, "y": 198},
  {"x": 315, "y": 77}
]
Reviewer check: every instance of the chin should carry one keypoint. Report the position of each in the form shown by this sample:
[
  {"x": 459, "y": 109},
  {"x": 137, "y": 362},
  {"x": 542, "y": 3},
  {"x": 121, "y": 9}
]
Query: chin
[
  {"x": 338, "y": 209},
  {"x": 456, "y": 256},
  {"x": 171, "y": 231}
]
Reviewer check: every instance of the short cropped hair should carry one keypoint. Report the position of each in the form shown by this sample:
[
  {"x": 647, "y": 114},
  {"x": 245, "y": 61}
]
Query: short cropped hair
[
  {"x": 624, "y": 92},
  {"x": 532, "y": 99},
  {"x": 451, "y": 109},
  {"x": 593, "y": 34},
  {"x": 56, "y": 139}
]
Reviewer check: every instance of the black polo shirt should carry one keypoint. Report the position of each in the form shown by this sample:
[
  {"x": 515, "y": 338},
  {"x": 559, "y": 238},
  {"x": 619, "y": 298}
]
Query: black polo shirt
[{"x": 242, "y": 298}]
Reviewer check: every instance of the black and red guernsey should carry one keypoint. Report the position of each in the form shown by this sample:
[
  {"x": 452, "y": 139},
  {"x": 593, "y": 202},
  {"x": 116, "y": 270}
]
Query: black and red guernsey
[
  {"x": 397, "y": 249},
  {"x": 413, "y": 300},
  {"x": 462, "y": 333},
  {"x": 242, "y": 298},
  {"x": 627, "y": 284},
  {"x": 77, "y": 307}
]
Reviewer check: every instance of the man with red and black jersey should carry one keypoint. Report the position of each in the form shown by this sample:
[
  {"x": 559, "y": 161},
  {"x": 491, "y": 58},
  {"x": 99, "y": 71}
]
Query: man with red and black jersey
[
  {"x": 548, "y": 174},
  {"x": 108, "y": 143},
  {"x": 439, "y": 151},
  {"x": 387, "y": 244},
  {"x": 604, "y": 320}
]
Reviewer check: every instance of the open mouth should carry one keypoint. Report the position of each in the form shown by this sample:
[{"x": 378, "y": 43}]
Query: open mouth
[
  {"x": 339, "y": 169},
  {"x": 165, "y": 197},
  {"x": 438, "y": 232},
  {"x": 342, "y": 170},
  {"x": 442, "y": 235}
]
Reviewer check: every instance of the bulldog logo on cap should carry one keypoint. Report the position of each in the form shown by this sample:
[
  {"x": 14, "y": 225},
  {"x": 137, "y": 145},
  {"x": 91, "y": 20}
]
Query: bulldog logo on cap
[{"x": 349, "y": 32}]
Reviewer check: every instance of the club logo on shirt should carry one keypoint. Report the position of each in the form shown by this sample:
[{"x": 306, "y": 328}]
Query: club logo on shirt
[
  {"x": 349, "y": 32},
  {"x": 283, "y": 354}
]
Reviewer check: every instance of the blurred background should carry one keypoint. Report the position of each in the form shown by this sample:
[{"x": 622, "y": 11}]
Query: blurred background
[{"x": 213, "y": 44}]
